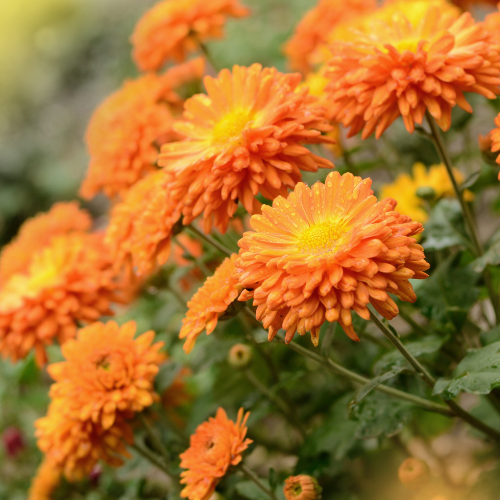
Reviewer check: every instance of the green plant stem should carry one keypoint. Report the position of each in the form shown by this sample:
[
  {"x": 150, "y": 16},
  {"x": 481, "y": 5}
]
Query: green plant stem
[
  {"x": 430, "y": 381},
  {"x": 281, "y": 405},
  {"x": 207, "y": 53},
  {"x": 152, "y": 458},
  {"x": 436, "y": 138},
  {"x": 154, "y": 438},
  {"x": 211, "y": 241},
  {"x": 354, "y": 377},
  {"x": 177, "y": 295},
  {"x": 204, "y": 269},
  {"x": 253, "y": 477}
]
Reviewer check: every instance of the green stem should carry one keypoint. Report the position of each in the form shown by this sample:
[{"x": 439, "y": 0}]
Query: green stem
[
  {"x": 204, "y": 269},
  {"x": 354, "y": 377},
  {"x": 177, "y": 295},
  {"x": 207, "y": 53},
  {"x": 151, "y": 457},
  {"x": 155, "y": 440},
  {"x": 211, "y": 241},
  {"x": 253, "y": 477}
]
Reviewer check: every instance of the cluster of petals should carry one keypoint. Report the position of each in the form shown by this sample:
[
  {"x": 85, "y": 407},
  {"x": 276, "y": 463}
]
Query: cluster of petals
[
  {"x": 314, "y": 28},
  {"x": 210, "y": 302},
  {"x": 302, "y": 488},
  {"x": 106, "y": 378},
  {"x": 402, "y": 69},
  {"x": 214, "y": 447},
  {"x": 407, "y": 189},
  {"x": 70, "y": 280},
  {"x": 37, "y": 232},
  {"x": 173, "y": 28},
  {"x": 494, "y": 140},
  {"x": 246, "y": 137},
  {"x": 325, "y": 251},
  {"x": 45, "y": 482},
  {"x": 139, "y": 233},
  {"x": 127, "y": 129}
]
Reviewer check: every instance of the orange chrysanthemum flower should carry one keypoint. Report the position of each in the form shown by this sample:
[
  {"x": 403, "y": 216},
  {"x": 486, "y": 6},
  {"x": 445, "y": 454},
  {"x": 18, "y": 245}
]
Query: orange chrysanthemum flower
[
  {"x": 75, "y": 446},
  {"x": 106, "y": 373},
  {"x": 316, "y": 25},
  {"x": 494, "y": 140},
  {"x": 404, "y": 70},
  {"x": 126, "y": 131},
  {"x": 214, "y": 447},
  {"x": 37, "y": 232},
  {"x": 47, "y": 479},
  {"x": 173, "y": 28},
  {"x": 246, "y": 137},
  {"x": 69, "y": 281},
  {"x": 209, "y": 303},
  {"x": 302, "y": 488},
  {"x": 325, "y": 251},
  {"x": 140, "y": 229}
]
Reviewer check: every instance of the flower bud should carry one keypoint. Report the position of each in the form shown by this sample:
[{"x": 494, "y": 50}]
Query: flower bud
[
  {"x": 485, "y": 145},
  {"x": 413, "y": 473},
  {"x": 13, "y": 441},
  {"x": 426, "y": 193},
  {"x": 240, "y": 356},
  {"x": 95, "y": 475},
  {"x": 302, "y": 488}
]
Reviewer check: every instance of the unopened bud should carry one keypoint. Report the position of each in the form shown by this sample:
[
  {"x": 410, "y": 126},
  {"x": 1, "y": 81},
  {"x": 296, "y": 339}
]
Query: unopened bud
[
  {"x": 426, "y": 193},
  {"x": 485, "y": 145},
  {"x": 240, "y": 356},
  {"x": 302, "y": 488},
  {"x": 13, "y": 441},
  {"x": 413, "y": 473},
  {"x": 95, "y": 475}
]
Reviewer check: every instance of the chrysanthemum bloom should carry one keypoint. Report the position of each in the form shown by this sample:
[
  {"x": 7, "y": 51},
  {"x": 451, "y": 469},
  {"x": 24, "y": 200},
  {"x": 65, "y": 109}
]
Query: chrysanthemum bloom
[
  {"x": 47, "y": 479},
  {"x": 494, "y": 138},
  {"x": 140, "y": 228},
  {"x": 71, "y": 280},
  {"x": 76, "y": 446},
  {"x": 302, "y": 488},
  {"x": 127, "y": 129},
  {"x": 411, "y": 192},
  {"x": 403, "y": 70},
  {"x": 315, "y": 26},
  {"x": 173, "y": 28},
  {"x": 209, "y": 303},
  {"x": 245, "y": 138},
  {"x": 37, "y": 232},
  {"x": 106, "y": 372},
  {"x": 325, "y": 251},
  {"x": 214, "y": 447},
  {"x": 413, "y": 472}
]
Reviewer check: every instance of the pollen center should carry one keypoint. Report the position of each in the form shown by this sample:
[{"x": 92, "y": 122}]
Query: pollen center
[
  {"x": 231, "y": 126},
  {"x": 321, "y": 238},
  {"x": 408, "y": 44}
]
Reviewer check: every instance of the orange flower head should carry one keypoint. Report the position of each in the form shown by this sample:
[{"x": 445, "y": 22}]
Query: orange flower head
[
  {"x": 413, "y": 473},
  {"x": 246, "y": 137},
  {"x": 402, "y": 69},
  {"x": 69, "y": 281},
  {"x": 214, "y": 447},
  {"x": 106, "y": 373},
  {"x": 140, "y": 228},
  {"x": 37, "y": 232},
  {"x": 314, "y": 28},
  {"x": 127, "y": 129},
  {"x": 325, "y": 251},
  {"x": 210, "y": 302},
  {"x": 302, "y": 488},
  {"x": 76, "y": 446},
  {"x": 173, "y": 28},
  {"x": 47, "y": 479},
  {"x": 494, "y": 138}
]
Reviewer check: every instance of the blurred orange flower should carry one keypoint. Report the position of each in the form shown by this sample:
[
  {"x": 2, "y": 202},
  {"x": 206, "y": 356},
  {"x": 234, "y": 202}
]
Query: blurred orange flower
[
  {"x": 68, "y": 281},
  {"x": 214, "y": 447},
  {"x": 106, "y": 373},
  {"x": 302, "y": 488},
  {"x": 140, "y": 228},
  {"x": 173, "y": 28},
  {"x": 209, "y": 303},
  {"x": 47, "y": 479},
  {"x": 400, "y": 69},
  {"x": 316, "y": 25},
  {"x": 246, "y": 137},
  {"x": 494, "y": 139},
  {"x": 37, "y": 232},
  {"x": 325, "y": 251}
]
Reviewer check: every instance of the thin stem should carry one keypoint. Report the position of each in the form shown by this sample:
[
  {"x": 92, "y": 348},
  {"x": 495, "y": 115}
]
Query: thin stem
[
  {"x": 155, "y": 440},
  {"x": 151, "y": 457},
  {"x": 211, "y": 241},
  {"x": 289, "y": 415},
  {"x": 204, "y": 269},
  {"x": 207, "y": 53},
  {"x": 177, "y": 295},
  {"x": 253, "y": 477},
  {"x": 354, "y": 377}
]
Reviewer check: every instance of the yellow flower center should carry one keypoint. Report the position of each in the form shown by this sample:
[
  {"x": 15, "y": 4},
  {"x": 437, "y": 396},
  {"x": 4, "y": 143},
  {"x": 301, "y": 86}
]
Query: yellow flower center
[
  {"x": 230, "y": 126},
  {"x": 409, "y": 44},
  {"x": 321, "y": 238}
]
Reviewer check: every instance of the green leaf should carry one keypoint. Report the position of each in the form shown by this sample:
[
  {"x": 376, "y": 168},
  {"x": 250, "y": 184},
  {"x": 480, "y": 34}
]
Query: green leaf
[
  {"x": 394, "y": 360},
  {"x": 490, "y": 257},
  {"x": 250, "y": 490},
  {"x": 445, "y": 228},
  {"x": 471, "y": 180},
  {"x": 477, "y": 373},
  {"x": 166, "y": 376}
]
